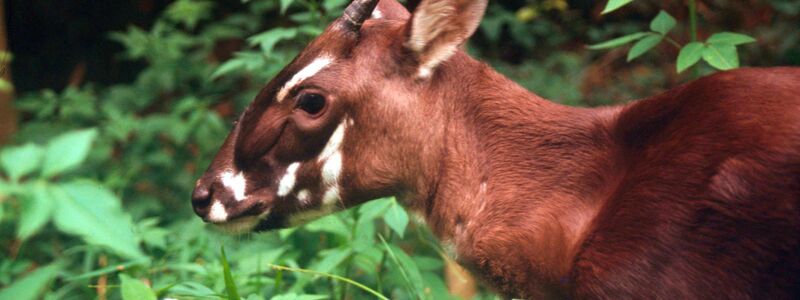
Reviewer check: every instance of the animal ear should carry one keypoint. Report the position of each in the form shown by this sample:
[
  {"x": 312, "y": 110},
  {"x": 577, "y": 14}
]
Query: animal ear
[
  {"x": 390, "y": 10},
  {"x": 438, "y": 28}
]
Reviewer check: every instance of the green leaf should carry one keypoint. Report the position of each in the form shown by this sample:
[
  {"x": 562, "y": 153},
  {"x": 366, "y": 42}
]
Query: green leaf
[
  {"x": 36, "y": 210},
  {"x": 32, "y": 285},
  {"x": 396, "y": 218},
  {"x": 373, "y": 209},
  {"x": 67, "y": 151},
  {"x": 20, "y": 161},
  {"x": 644, "y": 45},
  {"x": 663, "y": 23},
  {"x": 730, "y": 38},
  {"x": 89, "y": 210},
  {"x": 721, "y": 56},
  {"x": 267, "y": 40},
  {"x": 690, "y": 55},
  {"x": 619, "y": 41},
  {"x": 613, "y": 5},
  {"x": 134, "y": 289},
  {"x": 294, "y": 296},
  {"x": 330, "y": 223},
  {"x": 331, "y": 259},
  {"x": 285, "y": 5},
  {"x": 230, "y": 286}
]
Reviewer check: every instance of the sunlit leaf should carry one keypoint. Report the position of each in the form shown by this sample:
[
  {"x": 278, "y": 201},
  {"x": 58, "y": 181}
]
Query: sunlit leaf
[
  {"x": 92, "y": 212},
  {"x": 619, "y": 41},
  {"x": 644, "y": 45},
  {"x": 690, "y": 55},
  {"x": 20, "y": 161},
  {"x": 36, "y": 209},
  {"x": 721, "y": 56},
  {"x": 613, "y": 5},
  {"x": 67, "y": 151},
  {"x": 730, "y": 38},
  {"x": 32, "y": 285},
  {"x": 663, "y": 23},
  {"x": 397, "y": 218},
  {"x": 285, "y": 5},
  {"x": 134, "y": 289}
]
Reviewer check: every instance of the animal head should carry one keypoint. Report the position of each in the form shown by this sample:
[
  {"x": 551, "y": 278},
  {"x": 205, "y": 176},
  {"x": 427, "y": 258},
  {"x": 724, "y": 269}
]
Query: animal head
[{"x": 353, "y": 117}]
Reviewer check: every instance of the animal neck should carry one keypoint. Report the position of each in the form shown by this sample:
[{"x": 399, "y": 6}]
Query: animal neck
[{"x": 519, "y": 177}]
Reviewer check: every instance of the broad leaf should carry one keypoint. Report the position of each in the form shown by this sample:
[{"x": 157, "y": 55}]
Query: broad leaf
[
  {"x": 730, "y": 38},
  {"x": 721, "y": 56},
  {"x": 20, "y": 161},
  {"x": 285, "y": 5},
  {"x": 397, "y": 218},
  {"x": 92, "y": 212},
  {"x": 67, "y": 151},
  {"x": 36, "y": 209},
  {"x": 619, "y": 41},
  {"x": 332, "y": 259},
  {"x": 663, "y": 23},
  {"x": 32, "y": 285},
  {"x": 373, "y": 209},
  {"x": 644, "y": 45},
  {"x": 690, "y": 55},
  {"x": 613, "y": 5},
  {"x": 134, "y": 289},
  {"x": 267, "y": 40}
]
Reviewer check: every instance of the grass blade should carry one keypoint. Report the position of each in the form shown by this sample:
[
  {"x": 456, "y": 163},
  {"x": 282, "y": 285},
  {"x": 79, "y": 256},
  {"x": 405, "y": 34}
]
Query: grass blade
[
  {"x": 334, "y": 277},
  {"x": 230, "y": 286}
]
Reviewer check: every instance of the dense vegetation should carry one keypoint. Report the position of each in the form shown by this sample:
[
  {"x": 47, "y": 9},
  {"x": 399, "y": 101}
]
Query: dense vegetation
[{"x": 94, "y": 187}]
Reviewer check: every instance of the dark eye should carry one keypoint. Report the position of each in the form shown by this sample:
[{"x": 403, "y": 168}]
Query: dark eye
[{"x": 311, "y": 103}]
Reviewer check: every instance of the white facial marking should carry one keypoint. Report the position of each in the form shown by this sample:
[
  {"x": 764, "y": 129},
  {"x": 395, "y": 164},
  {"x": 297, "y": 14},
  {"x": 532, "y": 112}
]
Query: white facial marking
[
  {"x": 235, "y": 183},
  {"x": 312, "y": 69},
  {"x": 242, "y": 225},
  {"x": 288, "y": 180},
  {"x": 217, "y": 213},
  {"x": 331, "y": 196},
  {"x": 334, "y": 143},
  {"x": 303, "y": 196},
  {"x": 377, "y": 14},
  {"x": 331, "y": 169}
]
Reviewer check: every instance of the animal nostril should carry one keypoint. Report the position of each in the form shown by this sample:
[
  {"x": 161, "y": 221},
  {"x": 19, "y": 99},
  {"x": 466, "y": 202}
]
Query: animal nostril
[{"x": 201, "y": 200}]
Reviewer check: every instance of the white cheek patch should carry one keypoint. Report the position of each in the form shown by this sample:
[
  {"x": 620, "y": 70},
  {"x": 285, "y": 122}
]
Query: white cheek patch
[
  {"x": 217, "y": 213},
  {"x": 377, "y": 14},
  {"x": 312, "y": 69},
  {"x": 237, "y": 184},
  {"x": 287, "y": 182},
  {"x": 331, "y": 169},
  {"x": 304, "y": 196},
  {"x": 334, "y": 143},
  {"x": 331, "y": 196}
]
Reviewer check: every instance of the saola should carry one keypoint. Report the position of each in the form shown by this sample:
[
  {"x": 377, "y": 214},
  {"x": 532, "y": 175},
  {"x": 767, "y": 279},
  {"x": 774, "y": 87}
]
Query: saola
[{"x": 693, "y": 193}]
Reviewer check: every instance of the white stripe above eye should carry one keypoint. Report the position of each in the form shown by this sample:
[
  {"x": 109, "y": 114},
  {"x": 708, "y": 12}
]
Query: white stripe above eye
[{"x": 310, "y": 70}]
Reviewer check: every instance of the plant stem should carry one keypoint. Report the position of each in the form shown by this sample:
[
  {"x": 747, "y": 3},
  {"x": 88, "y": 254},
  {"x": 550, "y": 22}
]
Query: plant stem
[
  {"x": 693, "y": 19},
  {"x": 332, "y": 276}
]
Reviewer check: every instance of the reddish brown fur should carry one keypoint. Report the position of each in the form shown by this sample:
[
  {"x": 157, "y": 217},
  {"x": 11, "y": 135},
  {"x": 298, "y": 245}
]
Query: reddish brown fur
[{"x": 689, "y": 194}]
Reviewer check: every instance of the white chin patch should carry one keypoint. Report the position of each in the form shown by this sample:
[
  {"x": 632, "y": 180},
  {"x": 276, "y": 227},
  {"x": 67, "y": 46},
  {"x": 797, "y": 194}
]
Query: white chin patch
[
  {"x": 217, "y": 213},
  {"x": 236, "y": 183}
]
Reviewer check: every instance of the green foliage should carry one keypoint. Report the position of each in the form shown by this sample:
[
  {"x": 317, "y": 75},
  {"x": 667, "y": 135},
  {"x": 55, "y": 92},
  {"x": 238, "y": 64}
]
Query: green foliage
[
  {"x": 134, "y": 289},
  {"x": 719, "y": 51},
  {"x": 99, "y": 177}
]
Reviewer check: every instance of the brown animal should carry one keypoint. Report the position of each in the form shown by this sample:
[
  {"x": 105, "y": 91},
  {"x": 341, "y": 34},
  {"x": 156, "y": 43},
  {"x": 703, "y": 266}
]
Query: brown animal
[{"x": 693, "y": 193}]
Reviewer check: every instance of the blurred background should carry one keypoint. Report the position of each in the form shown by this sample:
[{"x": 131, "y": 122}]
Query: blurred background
[{"x": 109, "y": 111}]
